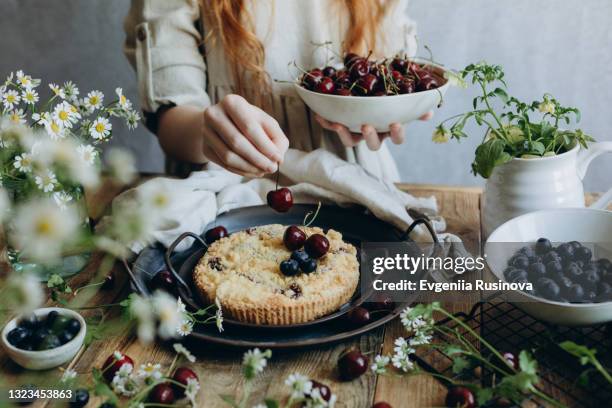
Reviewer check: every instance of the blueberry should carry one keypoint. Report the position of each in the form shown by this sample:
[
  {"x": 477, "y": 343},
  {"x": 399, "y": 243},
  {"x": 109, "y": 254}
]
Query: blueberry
[
  {"x": 18, "y": 336},
  {"x": 605, "y": 292},
  {"x": 583, "y": 254},
  {"x": 566, "y": 251},
  {"x": 575, "y": 244},
  {"x": 536, "y": 271},
  {"x": 527, "y": 251},
  {"x": 512, "y": 274},
  {"x": 519, "y": 261},
  {"x": 574, "y": 272},
  {"x": 29, "y": 322},
  {"x": 81, "y": 398},
  {"x": 27, "y": 346},
  {"x": 547, "y": 288},
  {"x": 59, "y": 323},
  {"x": 51, "y": 317},
  {"x": 554, "y": 268},
  {"x": 590, "y": 280},
  {"x": 575, "y": 293},
  {"x": 565, "y": 284},
  {"x": 65, "y": 336},
  {"x": 551, "y": 256},
  {"x": 49, "y": 342},
  {"x": 73, "y": 326},
  {"x": 39, "y": 335},
  {"x": 300, "y": 256},
  {"x": 605, "y": 265},
  {"x": 590, "y": 297},
  {"x": 308, "y": 266},
  {"x": 542, "y": 246},
  {"x": 290, "y": 267},
  {"x": 535, "y": 259}
]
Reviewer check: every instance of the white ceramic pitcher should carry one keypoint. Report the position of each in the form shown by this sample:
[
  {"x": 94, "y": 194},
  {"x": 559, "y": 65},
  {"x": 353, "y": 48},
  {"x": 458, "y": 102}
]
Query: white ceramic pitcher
[{"x": 524, "y": 185}]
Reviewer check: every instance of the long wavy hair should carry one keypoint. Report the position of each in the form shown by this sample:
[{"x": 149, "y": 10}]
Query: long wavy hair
[{"x": 229, "y": 22}]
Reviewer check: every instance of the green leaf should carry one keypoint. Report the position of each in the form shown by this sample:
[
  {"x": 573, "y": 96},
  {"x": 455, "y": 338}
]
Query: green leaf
[
  {"x": 452, "y": 349},
  {"x": 488, "y": 155},
  {"x": 584, "y": 354},
  {"x": 538, "y": 147},
  {"x": 270, "y": 403},
  {"x": 501, "y": 94},
  {"x": 484, "y": 395},
  {"x": 460, "y": 364},
  {"x": 527, "y": 363}
]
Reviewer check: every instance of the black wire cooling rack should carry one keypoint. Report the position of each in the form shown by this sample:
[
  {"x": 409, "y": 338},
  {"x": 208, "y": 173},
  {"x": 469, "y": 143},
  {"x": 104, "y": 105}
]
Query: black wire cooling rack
[{"x": 508, "y": 328}]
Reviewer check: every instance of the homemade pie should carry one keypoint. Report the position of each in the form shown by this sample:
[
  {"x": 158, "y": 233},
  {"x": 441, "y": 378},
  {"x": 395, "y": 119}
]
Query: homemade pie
[{"x": 242, "y": 271}]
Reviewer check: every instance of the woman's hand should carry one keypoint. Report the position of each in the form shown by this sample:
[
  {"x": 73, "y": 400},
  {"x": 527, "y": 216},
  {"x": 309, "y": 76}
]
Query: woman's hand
[
  {"x": 368, "y": 133},
  {"x": 243, "y": 138}
]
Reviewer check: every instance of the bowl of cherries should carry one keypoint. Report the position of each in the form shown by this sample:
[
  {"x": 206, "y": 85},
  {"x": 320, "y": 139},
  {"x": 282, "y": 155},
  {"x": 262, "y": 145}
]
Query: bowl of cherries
[
  {"x": 375, "y": 92},
  {"x": 47, "y": 338}
]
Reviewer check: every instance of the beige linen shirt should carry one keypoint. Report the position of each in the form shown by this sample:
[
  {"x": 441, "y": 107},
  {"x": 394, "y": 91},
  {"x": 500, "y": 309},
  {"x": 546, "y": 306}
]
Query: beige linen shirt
[{"x": 164, "y": 44}]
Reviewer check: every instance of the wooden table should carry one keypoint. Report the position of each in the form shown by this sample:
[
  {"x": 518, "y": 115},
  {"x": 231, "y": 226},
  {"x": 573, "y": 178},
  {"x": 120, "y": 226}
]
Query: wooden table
[{"x": 220, "y": 371}]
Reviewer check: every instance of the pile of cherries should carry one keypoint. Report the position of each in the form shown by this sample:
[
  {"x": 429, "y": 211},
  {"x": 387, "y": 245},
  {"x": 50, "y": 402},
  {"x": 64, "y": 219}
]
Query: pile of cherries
[
  {"x": 47, "y": 333},
  {"x": 305, "y": 260},
  {"x": 363, "y": 77},
  {"x": 162, "y": 393},
  {"x": 566, "y": 273}
]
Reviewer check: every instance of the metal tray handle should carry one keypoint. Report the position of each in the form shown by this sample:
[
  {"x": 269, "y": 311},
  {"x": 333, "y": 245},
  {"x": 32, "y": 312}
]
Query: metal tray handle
[{"x": 168, "y": 260}]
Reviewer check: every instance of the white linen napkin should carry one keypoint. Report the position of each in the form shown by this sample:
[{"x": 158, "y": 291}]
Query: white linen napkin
[{"x": 315, "y": 176}]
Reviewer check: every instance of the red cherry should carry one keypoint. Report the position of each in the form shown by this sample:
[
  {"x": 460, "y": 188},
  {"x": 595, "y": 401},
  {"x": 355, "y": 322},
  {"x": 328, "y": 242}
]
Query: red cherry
[
  {"x": 316, "y": 245},
  {"x": 326, "y": 85},
  {"x": 324, "y": 390},
  {"x": 352, "y": 364},
  {"x": 329, "y": 72},
  {"x": 511, "y": 359},
  {"x": 163, "y": 280},
  {"x": 162, "y": 394},
  {"x": 367, "y": 84},
  {"x": 406, "y": 86},
  {"x": 396, "y": 75},
  {"x": 215, "y": 234},
  {"x": 113, "y": 364},
  {"x": 426, "y": 83},
  {"x": 109, "y": 282},
  {"x": 382, "y": 301},
  {"x": 312, "y": 78},
  {"x": 181, "y": 375},
  {"x": 460, "y": 397},
  {"x": 280, "y": 200},
  {"x": 380, "y": 93},
  {"x": 359, "y": 68},
  {"x": 342, "y": 92},
  {"x": 294, "y": 238},
  {"x": 359, "y": 316},
  {"x": 382, "y": 404},
  {"x": 400, "y": 65},
  {"x": 349, "y": 57},
  {"x": 343, "y": 80},
  {"x": 380, "y": 71}
]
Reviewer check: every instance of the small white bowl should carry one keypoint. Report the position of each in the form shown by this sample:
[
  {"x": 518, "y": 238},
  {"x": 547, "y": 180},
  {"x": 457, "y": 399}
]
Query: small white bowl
[
  {"x": 378, "y": 111},
  {"x": 559, "y": 225},
  {"x": 45, "y": 359}
]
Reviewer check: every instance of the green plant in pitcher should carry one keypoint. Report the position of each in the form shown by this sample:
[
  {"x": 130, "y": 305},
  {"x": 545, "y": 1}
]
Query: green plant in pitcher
[{"x": 513, "y": 129}]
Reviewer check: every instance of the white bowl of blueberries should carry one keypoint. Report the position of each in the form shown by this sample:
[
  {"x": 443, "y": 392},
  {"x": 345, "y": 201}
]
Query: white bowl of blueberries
[
  {"x": 565, "y": 254},
  {"x": 47, "y": 338}
]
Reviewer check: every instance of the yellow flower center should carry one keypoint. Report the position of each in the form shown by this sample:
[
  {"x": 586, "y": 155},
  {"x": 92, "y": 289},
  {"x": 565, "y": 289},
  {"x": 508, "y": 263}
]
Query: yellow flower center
[
  {"x": 10, "y": 98},
  {"x": 94, "y": 100},
  {"x": 161, "y": 200},
  {"x": 63, "y": 115},
  {"x": 55, "y": 127},
  {"x": 15, "y": 117},
  {"x": 122, "y": 99},
  {"x": 100, "y": 127},
  {"x": 43, "y": 227}
]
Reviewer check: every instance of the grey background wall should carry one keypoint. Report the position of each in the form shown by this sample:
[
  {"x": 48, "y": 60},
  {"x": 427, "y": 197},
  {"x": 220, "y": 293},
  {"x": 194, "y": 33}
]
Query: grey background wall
[{"x": 557, "y": 46}]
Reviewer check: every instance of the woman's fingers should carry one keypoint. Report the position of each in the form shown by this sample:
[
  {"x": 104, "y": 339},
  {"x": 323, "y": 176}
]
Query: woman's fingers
[
  {"x": 347, "y": 138},
  {"x": 427, "y": 116},
  {"x": 276, "y": 134},
  {"x": 396, "y": 132},
  {"x": 225, "y": 156},
  {"x": 373, "y": 141}
]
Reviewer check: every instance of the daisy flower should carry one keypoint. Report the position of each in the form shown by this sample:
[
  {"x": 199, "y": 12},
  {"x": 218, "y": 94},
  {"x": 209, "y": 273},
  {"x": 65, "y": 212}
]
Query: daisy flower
[
  {"x": 150, "y": 371},
  {"x": 46, "y": 181},
  {"x": 88, "y": 153},
  {"x": 23, "y": 162},
  {"x": 57, "y": 91},
  {"x": 17, "y": 116},
  {"x": 185, "y": 328},
  {"x": 66, "y": 114},
  {"x": 29, "y": 96},
  {"x": 380, "y": 364},
  {"x": 100, "y": 128},
  {"x": 155, "y": 197},
  {"x": 191, "y": 390},
  {"x": 121, "y": 165},
  {"x": 42, "y": 229},
  {"x": 140, "y": 309},
  {"x": 182, "y": 350},
  {"x": 10, "y": 98},
  {"x": 68, "y": 375},
  {"x": 132, "y": 118},
  {"x": 24, "y": 80},
  {"x": 62, "y": 199},
  {"x": 24, "y": 292},
  {"x": 168, "y": 317},
  {"x": 300, "y": 385},
  {"x": 124, "y": 103},
  {"x": 93, "y": 100},
  {"x": 219, "y": 315},
  {"x": 401, "y": 357},
  {"x": 70, "y": 90},
  {"x": 54, "y": 129},
  {"x": 254, "y": 362}
]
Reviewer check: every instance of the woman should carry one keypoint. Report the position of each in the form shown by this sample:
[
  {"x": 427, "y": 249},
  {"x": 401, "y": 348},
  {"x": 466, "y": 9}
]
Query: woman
[{"x": 210, "y": 77}]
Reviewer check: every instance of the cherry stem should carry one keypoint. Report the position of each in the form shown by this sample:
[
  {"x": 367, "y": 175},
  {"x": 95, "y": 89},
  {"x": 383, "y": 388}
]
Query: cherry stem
[
  {"x": 307, "y": 222},
  {"x": 277, "y": 174}
]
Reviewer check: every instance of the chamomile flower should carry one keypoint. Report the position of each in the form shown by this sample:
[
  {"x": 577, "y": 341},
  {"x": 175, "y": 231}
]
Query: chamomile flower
[
  {"x": 66, "y": 114},
  {"x": 46, "y": 181},
  {"x": 29, "y": 96},
  {"x": 24, "y": 292},
  {"x": 191, "y": 390},
  {"x": 440, "y": 135},
  {"x": 401, "y": 357},
  {"x": 17, "y": 116},
  {"x": 88, "y": 153},
  {"x": 300, "y": 385},
  {"x": 219, "y": 315},
  {"x": 93, "y": 100},
  {"x": 180, "y": 306},
  {"x": 42, "y": 229},
  {"x": 168, "y": 317},
  {"x": 185, "y": 328},
  {"x": 182, "y": 350},
  {"x": 121, "y": 165},
  {"x": 155, "y": 197},
  {"x": 24, "y": 80},
  {"x": 380, "y": 364},
  {"x": 150, "y": 371},
  {"x": 100, "y": 128},
  {"x": 70, "y": 90},
  {"x": 132, "y": 119},
  {"x": 124, "y": 102},
  {"x": 57, "y": 91},
  {"x": 23, "y": 162},
  {"x": 254, "y": 361},
  {"x": 62, "y": 199},
  {"x": 10, "y": 98},
  {"x": 68, "y": 375},
  {"x": 142, "y": 311},
  {"x": 54, "y": 129}
]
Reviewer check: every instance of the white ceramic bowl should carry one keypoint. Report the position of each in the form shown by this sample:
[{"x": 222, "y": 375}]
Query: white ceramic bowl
[
  {"x": 45, "y": 359},
  {"x": 559, "y": 225},
  {"x": 378, "y": 111}
]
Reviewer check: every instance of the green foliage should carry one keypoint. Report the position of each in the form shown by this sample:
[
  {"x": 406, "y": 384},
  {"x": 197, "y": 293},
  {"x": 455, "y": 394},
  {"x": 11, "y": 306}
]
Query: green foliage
[{"x": 512, "y": 128}]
